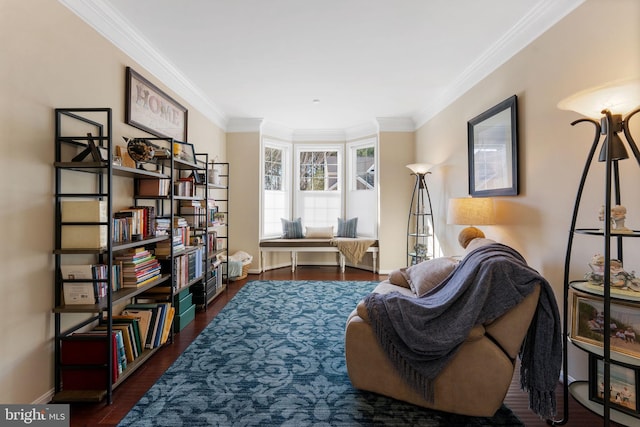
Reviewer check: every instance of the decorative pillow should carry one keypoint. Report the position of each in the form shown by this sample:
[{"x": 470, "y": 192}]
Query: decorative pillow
[
  {"x": 348, "y": 228},
  {"x": 319, "y": 232},
  {"x": 396, "y": 277},
  {"x": 292, "y": 229},
  {"x": 428, "y": 274}
]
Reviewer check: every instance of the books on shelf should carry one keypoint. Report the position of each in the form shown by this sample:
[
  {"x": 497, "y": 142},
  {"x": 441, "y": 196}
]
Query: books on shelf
[
  {"x": 153, "y": 187},
  {"x": 160, "y": 318},
  {"x": 134, "y": 223},
  {"x": 185, "y": 187},
  {"x": 139, "y": 267}
]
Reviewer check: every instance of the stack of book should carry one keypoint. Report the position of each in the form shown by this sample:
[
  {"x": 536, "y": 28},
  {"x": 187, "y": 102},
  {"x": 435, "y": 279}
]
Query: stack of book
[{"x": 139, "y": 267}]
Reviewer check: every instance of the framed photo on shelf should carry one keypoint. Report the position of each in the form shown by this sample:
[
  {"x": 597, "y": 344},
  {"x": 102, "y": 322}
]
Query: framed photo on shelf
[
  {"x": 493, "y": 150},
  {"x": 150, "y": 109},
  {"x": 623, "y": 381},
  {"x": 587, "y": 324},
  {"x": 187, "y": 152}
]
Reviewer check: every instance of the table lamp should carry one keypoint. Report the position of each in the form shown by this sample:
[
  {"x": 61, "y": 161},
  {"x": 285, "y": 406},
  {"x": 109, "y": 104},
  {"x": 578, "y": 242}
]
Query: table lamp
[{"x": 470, "y": 211}]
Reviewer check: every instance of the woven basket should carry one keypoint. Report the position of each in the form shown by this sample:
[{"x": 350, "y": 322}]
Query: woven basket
[{"x": 245, "y": 273}]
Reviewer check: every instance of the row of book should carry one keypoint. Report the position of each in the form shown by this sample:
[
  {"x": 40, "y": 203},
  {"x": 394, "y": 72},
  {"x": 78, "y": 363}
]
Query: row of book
[
  {"x": 138, "y": 328},
  {"x": 189, "y": 267},
  {"x": 199, "y": 213},
  {"x": 134, "y": 223}
]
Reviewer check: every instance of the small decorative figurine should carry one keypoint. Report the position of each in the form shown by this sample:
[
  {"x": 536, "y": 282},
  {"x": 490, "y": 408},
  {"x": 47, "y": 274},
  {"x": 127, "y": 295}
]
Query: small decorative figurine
[
  {"x": 618, "y": 277},
  {"x": 617, "y": 218}
]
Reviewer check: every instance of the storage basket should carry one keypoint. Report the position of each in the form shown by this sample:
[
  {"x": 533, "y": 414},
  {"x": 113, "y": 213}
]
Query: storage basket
[
  {"x": 245, "y": 273},
  {"x": 245, "y": 259}
]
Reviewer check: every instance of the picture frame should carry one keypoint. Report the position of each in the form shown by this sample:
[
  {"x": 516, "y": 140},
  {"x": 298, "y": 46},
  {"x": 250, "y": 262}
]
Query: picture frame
[
  {"x": 587, "y": 324},
  {"x": 150, "y": 109},
  {"x": 492, "y": 139},
  {"x": 186, "y": 153},
  {"x": 623, "y": 382}
]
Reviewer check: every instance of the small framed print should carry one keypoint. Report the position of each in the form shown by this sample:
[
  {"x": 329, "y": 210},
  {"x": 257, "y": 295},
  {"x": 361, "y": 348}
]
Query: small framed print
[
  {"x": 587, "y": 324},
  {"x": 623, "y": 384}
]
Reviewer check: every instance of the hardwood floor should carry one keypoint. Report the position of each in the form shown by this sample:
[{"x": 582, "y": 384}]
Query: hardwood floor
[{"x": 128, "y": 393}]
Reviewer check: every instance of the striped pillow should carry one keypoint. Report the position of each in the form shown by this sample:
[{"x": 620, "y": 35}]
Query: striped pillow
[
  {"x": 292, "y": 229},
  {"x": 348, "y": 228}
]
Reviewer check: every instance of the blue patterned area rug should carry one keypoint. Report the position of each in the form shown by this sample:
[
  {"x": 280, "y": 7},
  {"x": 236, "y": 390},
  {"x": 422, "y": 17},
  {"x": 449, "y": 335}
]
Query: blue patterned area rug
[{"x": 274, "y": 356}]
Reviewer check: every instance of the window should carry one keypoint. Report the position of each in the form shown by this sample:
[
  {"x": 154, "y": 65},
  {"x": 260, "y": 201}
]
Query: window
[
  {"x": 318, "y": 196},
  {"x": 314, "y": 182},
  {"x": 362, "y": 198},
  {"x": 276, "y": 191}
]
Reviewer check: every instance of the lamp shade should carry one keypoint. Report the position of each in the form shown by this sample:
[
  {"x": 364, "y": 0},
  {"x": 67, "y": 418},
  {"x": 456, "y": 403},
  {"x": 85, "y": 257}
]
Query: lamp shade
[
  {"x": 471, "y": 211},
  {"x": 420, "y": 168},
  {"x": 619, "y": 97}
]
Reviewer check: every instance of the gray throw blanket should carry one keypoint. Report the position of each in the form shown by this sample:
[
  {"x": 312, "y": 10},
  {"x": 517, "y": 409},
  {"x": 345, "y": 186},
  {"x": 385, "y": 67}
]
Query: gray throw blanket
[{"x": 420, "y": 335}]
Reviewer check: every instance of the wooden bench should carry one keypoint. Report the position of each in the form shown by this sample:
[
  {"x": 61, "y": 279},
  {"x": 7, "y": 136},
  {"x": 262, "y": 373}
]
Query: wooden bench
[{"x": 308, "y": 245}]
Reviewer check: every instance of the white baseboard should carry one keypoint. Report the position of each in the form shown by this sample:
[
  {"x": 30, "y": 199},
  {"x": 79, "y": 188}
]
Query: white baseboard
[{"x": 45, "y": 398}]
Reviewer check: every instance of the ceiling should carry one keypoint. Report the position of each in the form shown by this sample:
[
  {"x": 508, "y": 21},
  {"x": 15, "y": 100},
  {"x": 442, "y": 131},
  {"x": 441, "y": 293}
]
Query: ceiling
[{"x": 400, "y": 62}]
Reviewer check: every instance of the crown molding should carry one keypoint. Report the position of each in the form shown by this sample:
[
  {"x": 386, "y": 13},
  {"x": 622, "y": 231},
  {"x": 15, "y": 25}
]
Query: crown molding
[
  {"x": 317, "y": 135},
  {"x": 276, "y": 130},
  {"x": 244, "y": 124},
  {"x": 396, "y": 124},
  {"x": 99, "y": 15},
  {"x": 540, "y": 18}
]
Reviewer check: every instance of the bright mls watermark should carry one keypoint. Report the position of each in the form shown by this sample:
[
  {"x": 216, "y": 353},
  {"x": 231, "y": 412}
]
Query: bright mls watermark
[{"x": 35, "y": 415}]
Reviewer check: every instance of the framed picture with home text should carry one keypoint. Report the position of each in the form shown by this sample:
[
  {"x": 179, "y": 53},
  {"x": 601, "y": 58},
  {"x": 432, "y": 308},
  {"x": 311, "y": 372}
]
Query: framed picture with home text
[{"x": 151, "y": 110}]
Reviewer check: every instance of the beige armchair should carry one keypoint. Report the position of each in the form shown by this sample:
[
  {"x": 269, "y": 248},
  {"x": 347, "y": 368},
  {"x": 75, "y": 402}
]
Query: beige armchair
[{"x": 475, "y": 381}]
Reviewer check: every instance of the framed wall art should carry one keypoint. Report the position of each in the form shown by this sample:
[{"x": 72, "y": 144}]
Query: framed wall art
[
  {"x": 587, "y": 324},
  {"x": 623, "y": 384},
  {"x": 493, "y": 150},
  {"x": 150, "y": 109}
]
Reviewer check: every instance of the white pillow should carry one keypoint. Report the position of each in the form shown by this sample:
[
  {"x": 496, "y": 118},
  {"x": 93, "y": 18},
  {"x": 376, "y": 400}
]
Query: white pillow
[{"x": 319, "y": 232}]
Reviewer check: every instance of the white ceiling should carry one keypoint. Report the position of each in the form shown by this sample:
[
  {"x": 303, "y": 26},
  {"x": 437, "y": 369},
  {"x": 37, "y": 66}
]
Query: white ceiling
[{"x": 397, "y": 61}]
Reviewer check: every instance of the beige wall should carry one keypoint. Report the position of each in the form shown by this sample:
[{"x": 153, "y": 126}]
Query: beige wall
[
  {"x": 595, "y": 44},
  {"x": 396, "y": 182},
  {"x": 50, "y": 58},
  {"x": 243, "y": 150}
]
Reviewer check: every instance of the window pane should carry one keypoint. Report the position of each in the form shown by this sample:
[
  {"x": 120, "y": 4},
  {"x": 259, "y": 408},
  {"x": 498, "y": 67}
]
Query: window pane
[
  {"x": 319, "y": 171},
  {"x": 365, "y": 168},
  {"x": 272, "y": 169}
]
